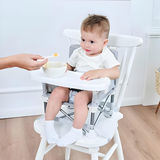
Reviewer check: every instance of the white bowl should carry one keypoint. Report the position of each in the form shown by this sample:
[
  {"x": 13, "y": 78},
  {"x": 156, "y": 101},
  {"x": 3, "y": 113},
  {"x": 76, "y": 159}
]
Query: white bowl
[{"x": 54, "y": 69}]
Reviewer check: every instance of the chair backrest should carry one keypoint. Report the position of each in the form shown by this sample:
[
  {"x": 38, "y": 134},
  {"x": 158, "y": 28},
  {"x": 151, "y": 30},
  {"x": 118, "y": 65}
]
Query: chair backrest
[{"x": 126, "y": 47}]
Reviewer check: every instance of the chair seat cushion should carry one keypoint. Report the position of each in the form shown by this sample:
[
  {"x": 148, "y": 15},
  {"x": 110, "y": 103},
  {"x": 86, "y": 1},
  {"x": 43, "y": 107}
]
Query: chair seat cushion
[
  {"x": 106, "y": 127},
  {"x": 103, "y": 130}
]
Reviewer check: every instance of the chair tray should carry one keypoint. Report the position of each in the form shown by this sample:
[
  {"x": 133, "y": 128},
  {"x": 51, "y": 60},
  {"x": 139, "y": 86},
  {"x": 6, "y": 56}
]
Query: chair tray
[{"x": 72, "y": 80}]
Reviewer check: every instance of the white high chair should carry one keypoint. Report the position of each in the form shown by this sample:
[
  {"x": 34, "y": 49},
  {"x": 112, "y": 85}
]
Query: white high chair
[{"x": 91, "y": 142}]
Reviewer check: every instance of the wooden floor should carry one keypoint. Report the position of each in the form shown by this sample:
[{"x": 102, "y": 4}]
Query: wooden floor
[{"x": 139, "y": 131}]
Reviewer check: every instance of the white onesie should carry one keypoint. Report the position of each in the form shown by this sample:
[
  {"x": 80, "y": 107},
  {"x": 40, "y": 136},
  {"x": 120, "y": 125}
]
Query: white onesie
[{"x": 84, "y": 63}]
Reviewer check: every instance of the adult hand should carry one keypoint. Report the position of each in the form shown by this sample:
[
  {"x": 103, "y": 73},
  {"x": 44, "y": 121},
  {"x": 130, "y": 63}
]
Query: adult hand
[
  {"x": 29, "y": 61},
  {"x": 24, "y": 60}
]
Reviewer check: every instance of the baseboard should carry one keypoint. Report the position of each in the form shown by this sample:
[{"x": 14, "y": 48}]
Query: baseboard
[
  {"x": 20, "y": 90},
  {"x": 150, "y": 103},
  {"x": 12, "y": 113},
  {"x": 131, "y": 101},
  {"x": 39, "y": 110},
  {"x": 21, "y": 101}
]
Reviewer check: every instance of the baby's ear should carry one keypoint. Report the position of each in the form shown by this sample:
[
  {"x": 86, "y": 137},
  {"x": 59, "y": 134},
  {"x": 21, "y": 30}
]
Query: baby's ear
[{"x": 105, "y": 42}]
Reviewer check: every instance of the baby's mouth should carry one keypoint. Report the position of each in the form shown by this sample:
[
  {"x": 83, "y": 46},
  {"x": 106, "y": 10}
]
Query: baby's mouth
[{"x": 87, "y": 50}]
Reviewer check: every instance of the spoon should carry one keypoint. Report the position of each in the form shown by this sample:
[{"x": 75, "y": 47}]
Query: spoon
[{"x": 54, "y": 55}]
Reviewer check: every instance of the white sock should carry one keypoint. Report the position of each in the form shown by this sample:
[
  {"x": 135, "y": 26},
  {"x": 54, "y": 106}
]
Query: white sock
[
  {"x": 72, "y": 136},
  {"x": 50, "y": 132}
]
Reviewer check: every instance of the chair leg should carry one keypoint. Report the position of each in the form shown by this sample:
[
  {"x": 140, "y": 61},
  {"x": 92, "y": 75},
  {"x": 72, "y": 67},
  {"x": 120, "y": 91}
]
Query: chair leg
[
  {"x": 119, "y": 148},
  {"x": 94, "y": 153},
  {"x": 41, "y": 149},
  {"x": 158, "y": 107},
  {"x": 94, "y": 156},
  {"x": 67, "y": 154}
]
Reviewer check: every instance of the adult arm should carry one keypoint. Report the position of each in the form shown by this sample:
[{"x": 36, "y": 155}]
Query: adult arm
[{"x": 25, "y": 61}]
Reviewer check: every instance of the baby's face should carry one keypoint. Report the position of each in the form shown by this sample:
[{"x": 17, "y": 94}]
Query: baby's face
[{"x": 92, "y": 43}]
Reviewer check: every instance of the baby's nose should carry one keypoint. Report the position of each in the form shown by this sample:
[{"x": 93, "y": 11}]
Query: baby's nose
[{"x": 86, "y": 44}]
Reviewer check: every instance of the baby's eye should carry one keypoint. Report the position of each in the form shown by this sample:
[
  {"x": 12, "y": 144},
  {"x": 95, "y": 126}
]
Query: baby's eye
[
  {"x": 92, "y": 41},
  {"x": 83, "y": 39}
]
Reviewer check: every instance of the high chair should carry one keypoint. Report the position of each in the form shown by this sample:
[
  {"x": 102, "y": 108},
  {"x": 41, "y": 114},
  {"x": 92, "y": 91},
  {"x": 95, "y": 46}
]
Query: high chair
[{"x": 101, "y": 125}]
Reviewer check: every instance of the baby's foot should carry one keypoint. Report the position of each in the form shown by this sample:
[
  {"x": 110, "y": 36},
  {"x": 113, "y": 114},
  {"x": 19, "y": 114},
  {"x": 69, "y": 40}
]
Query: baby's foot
[
  {"x": 51, "y": 134},
  {"x": 72, "y": 136}
]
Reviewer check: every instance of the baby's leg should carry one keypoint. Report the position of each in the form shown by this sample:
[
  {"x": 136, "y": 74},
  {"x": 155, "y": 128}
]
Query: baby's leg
[
  {"x": 80, "y": 115},
  {"x": 80, "y": 108},
  {"x": 57, "y": 97}
]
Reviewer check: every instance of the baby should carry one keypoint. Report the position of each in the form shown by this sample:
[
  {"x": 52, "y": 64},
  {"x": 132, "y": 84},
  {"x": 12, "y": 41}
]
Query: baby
[{"x": 96, "y": 61}]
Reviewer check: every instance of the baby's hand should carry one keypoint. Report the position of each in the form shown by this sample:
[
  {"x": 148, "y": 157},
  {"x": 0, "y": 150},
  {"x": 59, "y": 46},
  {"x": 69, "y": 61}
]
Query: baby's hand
[{"x": 92, "y": 74}]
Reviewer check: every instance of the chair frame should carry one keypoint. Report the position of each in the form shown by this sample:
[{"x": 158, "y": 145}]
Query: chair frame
[{"x": 130, "y": 43}]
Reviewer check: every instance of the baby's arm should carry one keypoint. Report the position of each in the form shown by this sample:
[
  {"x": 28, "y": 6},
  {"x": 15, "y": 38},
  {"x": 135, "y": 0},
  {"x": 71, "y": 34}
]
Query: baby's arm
[
  {"x": 112, "y": 73},
  {"x": 69, "y": 67}
]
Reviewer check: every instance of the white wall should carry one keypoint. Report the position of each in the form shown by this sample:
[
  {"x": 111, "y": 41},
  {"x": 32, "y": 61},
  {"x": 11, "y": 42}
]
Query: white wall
[
  {"x": 141, "y": 21},
  {"x": 36, "y": 27},
  {"x": 150, "y": 96}
]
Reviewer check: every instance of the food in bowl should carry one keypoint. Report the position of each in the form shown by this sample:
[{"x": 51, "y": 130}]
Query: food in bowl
[{"x": 54, "y": 69}]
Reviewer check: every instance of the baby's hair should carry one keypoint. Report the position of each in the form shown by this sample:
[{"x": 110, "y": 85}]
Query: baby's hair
[{"x": 96, "y": 23}]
